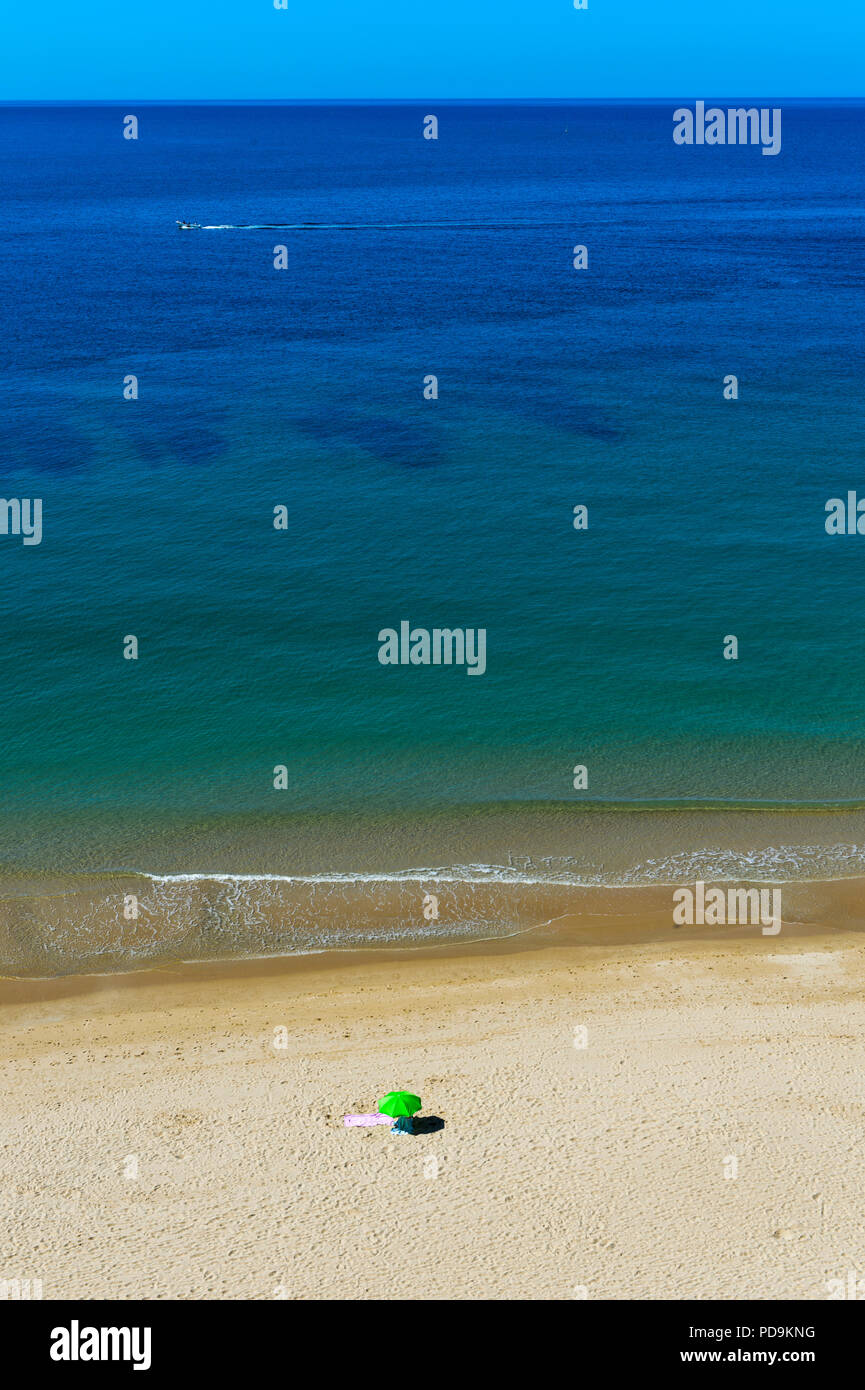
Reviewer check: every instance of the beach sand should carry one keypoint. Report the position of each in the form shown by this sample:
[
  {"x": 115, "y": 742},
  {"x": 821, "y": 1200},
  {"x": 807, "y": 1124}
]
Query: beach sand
[{"x": 156, "y": 1143}]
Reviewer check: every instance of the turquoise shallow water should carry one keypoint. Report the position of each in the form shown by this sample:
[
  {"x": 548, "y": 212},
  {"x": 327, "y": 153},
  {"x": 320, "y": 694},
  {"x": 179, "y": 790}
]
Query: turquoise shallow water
[{"x": 303, "y": 388}]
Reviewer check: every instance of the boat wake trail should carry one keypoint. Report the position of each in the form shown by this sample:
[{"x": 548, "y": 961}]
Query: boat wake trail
[{"x": 357, "y": 226}]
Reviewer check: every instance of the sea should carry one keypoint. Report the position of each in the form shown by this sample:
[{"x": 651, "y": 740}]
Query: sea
[{"x": 372, "y": 387}]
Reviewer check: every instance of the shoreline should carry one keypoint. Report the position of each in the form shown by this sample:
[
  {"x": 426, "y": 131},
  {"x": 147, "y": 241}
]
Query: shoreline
[
  {"x": 573, "y": 862},
  {"x": 590, "y": 932}
]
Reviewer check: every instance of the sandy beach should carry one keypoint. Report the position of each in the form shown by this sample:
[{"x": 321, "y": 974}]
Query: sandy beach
[{"x": 662, "y": 1119}]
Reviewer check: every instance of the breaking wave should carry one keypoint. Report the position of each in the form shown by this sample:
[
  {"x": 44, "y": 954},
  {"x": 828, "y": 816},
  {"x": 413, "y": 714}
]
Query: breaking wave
[{"x": 123, "y": 920}]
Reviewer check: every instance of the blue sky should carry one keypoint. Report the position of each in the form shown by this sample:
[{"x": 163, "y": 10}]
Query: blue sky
[{"x": 245, "y": 49}]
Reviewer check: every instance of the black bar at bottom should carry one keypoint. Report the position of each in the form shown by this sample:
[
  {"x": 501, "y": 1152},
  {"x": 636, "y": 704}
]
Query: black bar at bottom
[{"x": 251, "y": 1339}]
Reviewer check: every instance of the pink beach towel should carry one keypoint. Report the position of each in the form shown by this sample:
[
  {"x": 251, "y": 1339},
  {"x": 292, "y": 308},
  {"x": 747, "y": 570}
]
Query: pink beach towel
[{"x": 368, "y": 1120}]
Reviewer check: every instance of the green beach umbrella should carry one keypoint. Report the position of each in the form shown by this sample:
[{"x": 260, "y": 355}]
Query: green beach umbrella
[{"x": 397, "y": 1103}]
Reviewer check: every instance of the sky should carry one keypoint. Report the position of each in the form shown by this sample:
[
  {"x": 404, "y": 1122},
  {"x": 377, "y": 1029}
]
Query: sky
[{"x": 156, "y": 50}]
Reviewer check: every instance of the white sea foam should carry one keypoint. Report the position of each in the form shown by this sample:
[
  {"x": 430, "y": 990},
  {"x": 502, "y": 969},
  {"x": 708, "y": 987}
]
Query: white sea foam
[
  {"x": 772, "y": 864},
  {"x": 208, "y": 916}
]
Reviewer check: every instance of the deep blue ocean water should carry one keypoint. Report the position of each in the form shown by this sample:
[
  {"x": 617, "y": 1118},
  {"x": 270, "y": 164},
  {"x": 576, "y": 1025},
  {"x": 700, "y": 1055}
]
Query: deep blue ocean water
[{"x": 303, "y": 387}]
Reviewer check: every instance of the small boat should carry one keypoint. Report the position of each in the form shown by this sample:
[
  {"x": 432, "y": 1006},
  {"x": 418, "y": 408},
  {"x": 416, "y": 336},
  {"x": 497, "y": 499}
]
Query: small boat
[{"x": 188, "y": 226}]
